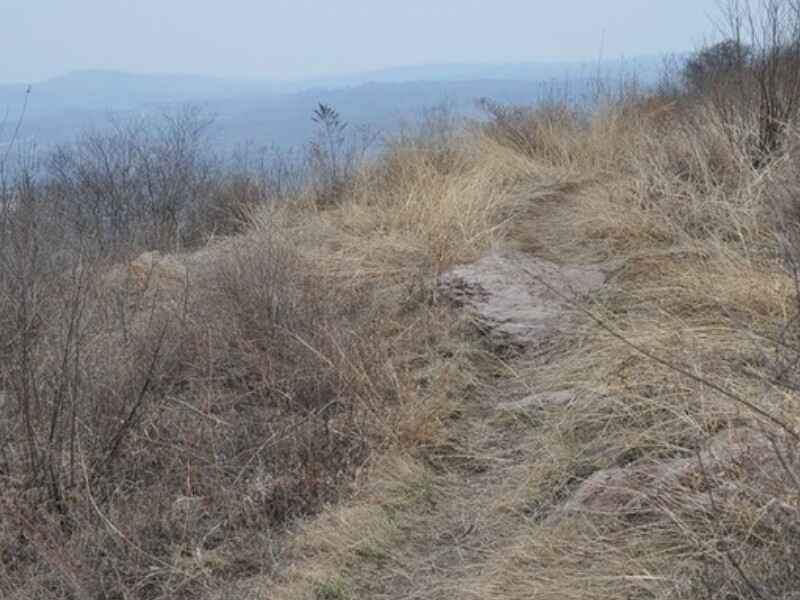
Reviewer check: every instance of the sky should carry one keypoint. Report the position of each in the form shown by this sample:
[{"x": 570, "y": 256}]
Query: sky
[{"x": 300, "y": 39}]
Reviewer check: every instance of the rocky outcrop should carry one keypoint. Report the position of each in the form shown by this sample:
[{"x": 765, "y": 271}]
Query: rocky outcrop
[{"x": 516, "y": 298}]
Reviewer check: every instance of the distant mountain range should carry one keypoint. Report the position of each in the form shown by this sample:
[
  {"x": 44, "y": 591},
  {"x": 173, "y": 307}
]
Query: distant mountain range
[
  {"x": 278, "y": 113},
  {"x": 648, "y": 67}
]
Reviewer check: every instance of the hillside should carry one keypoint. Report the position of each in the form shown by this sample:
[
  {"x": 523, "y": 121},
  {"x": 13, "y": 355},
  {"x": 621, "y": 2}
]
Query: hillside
[
  {"x": 631, "y": 429},
  {"x": 545, "y": 355}
]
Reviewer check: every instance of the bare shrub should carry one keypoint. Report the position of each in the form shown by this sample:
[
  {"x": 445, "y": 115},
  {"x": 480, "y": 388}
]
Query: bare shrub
[
  {"x": 249, "y": 179},
  {"x": 721, "y": 62},
  {"x": 213, "y": 405},
  {"x": 78, "y": 387},
  {"x": 753, "y": 73},
  {"x": 531, "y": 130},
  {"x": 164, "y": 418},
  {"x": 136, "y": 183}
]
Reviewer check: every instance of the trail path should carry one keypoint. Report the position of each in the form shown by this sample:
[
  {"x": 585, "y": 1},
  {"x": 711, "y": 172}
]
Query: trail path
[
  {"x": 475, "y": 516},
  {"x": 479, "y": 498},
  {"x": 445, "y": 541}
]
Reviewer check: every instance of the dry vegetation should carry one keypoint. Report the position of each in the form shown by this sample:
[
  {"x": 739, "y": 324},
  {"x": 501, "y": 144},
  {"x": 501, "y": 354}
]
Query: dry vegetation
[
  {"x": 293, "y": 412},
  {"x": 166, "y": 416}
]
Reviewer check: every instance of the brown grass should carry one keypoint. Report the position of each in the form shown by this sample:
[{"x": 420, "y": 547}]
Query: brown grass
[
  {"x": 313, "y": 421},
  {"x": 202, "y": 402},
  {"x": 705, "y": 504},
  {"x": 701, "y": 281}
]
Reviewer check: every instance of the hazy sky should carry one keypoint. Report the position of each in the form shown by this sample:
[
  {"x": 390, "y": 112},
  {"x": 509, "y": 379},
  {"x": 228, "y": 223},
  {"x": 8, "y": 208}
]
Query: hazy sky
[{"x": 280, "y": 39}]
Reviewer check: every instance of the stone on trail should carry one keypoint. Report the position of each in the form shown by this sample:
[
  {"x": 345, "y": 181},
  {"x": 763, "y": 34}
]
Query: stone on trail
[
  {"x": 645, "y": 485},
  {"x": 518, "y": 298}
]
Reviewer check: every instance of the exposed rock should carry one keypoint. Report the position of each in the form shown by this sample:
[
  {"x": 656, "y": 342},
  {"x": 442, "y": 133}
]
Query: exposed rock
[
  {"x": 639, "y": 487},
  {"x": 621, "y": 490},
  {"x": 518, "y": 298}
]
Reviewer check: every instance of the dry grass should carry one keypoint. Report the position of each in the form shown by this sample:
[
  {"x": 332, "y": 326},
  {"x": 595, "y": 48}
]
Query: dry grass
[
  {"x": 316, "y": 423},
  {"x": 203, "y": 402},
  {"x": 702, "y": 500},
  {"x": 701, "y": 280}
]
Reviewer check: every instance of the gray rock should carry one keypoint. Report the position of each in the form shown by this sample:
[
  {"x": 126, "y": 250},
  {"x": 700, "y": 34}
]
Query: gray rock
[
  {"x": 518, "y": 298},
  {"x": 641, "y": 486}
]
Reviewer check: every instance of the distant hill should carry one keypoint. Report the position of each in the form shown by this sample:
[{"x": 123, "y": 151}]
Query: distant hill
[
  {"x": 111, "y": 90},
  {"x": 647, "y": 67},
  {"x": 278, "y": 113}
]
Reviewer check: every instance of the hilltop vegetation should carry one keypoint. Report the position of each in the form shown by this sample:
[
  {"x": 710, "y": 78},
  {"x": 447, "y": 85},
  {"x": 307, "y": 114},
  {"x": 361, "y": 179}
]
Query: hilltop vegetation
[{"x": 243, "y": 384}]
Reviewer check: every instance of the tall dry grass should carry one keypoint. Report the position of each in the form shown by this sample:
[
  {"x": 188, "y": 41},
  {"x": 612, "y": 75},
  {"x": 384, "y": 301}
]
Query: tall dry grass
[
  {"x": 673, "y": 473},
  {"x": 702, "y": 446},
  {"x": 169, "y": 419},
  {"x": 166, "y": 419}
]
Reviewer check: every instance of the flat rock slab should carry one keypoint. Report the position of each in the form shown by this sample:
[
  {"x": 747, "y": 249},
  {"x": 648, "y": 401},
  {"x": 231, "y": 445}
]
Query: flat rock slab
[{"x": 518, "y": 298}]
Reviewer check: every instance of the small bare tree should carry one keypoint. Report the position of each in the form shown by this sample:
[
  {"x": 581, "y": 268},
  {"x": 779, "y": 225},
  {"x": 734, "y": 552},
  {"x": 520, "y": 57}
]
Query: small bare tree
[
  {"x": 711, "y": 66},
  {"x": 326, "y": 153},
  {"x": 135, "y": 183},
  {"x": 335, "y": 153},
  {"x": 757, "y": 68}
]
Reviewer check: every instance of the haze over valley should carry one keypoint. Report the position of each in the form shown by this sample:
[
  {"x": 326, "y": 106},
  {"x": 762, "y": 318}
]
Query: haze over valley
[{"x": 264, "y": 113}]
